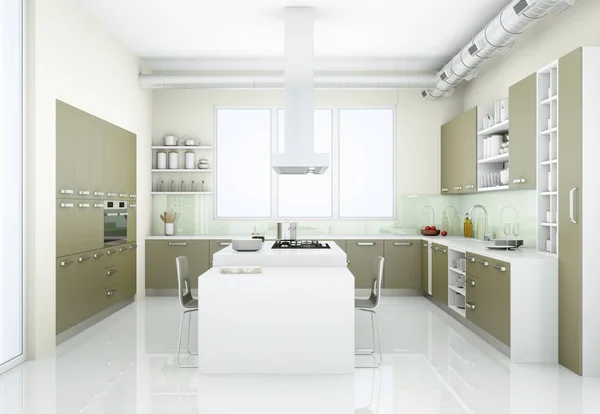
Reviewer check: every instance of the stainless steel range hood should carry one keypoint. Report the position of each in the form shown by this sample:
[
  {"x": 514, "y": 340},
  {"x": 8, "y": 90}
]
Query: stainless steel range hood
[{"x": 299, "y": 156}]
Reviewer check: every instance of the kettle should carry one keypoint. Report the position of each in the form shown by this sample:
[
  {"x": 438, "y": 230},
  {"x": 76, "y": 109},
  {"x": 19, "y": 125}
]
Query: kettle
[{"x": 286, "y": 230}]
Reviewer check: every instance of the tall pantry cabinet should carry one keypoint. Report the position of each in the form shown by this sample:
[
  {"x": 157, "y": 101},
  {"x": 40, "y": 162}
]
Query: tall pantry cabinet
[{"x": 578, "y": 216}]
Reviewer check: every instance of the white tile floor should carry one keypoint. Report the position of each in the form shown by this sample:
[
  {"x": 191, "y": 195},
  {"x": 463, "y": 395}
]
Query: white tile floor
[{"x": 432, "y": 364}]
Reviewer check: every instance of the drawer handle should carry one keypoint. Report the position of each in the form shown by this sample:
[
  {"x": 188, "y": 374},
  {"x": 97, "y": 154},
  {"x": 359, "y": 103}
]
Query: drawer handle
[
  {"x": 66, "y": 263},
  {"x": 402, "y": 243},
  {"x": 469, "y": 187},
  {"x": 132, "y": 195},
  {"x": 111, "y": 292},
  {"x": 98, "y": 205},
  {"x": 471, "y": 282},
  {"x": 123, "y": 195},
  {"x": 224, "y": 244},
  {"x": 83, "y": 258},
  {"x": 66, "y": 205},
  {"x": 83, "y": 205},
  {"x": 444, "y": 190},
  {"x": 133, "y": 247},
  {"x": 98, "y": 193},
  {"x": 122, "y": 249},
  {"x": 177, "y": 243},
  {"x": 111, "y": 252},
  {"x": 500, "y": 268},
  {"x": 111, "y": 272},
  {"x": 112, "y": 194},
  {"x": 66, "y": 191},
  {"x": 483, "y": 262},
  {"x": 458, "y": 188},
  {"x": 98, "y": 255},
  {"x": 470, "y": 306},
  {"x": 470, "y": 259},
  {"x": 365, "y": 244},
  {"x": 132, "y": 205},
  {"x": 84, "y": 192}
]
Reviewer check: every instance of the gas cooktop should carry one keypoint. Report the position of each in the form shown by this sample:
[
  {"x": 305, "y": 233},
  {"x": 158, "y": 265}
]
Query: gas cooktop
[{"x": 300, "y": 244}]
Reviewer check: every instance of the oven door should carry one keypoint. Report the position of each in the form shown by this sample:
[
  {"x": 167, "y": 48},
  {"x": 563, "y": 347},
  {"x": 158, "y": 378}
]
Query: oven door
[{"x": 115, "y": 226}]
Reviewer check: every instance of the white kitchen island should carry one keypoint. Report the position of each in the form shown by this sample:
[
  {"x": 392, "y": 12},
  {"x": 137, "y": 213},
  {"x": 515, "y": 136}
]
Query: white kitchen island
[{"x": 286, "y": 320}]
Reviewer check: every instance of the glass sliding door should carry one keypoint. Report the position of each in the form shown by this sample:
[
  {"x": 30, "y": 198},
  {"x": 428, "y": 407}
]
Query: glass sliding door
[{"x": 11, "y": 184}]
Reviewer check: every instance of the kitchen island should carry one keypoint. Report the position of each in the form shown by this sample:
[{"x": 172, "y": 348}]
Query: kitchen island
[{"x": 276, "y": 322}]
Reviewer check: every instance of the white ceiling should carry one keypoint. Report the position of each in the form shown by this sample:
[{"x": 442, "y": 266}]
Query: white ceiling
[{"x": 430, "y": 31}]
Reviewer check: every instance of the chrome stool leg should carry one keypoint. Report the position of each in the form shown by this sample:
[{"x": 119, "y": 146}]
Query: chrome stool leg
[
  {"x": 179, "y": 341},
  {"x": 187, "y": 347},
  {"x": 376, "y": 339}
]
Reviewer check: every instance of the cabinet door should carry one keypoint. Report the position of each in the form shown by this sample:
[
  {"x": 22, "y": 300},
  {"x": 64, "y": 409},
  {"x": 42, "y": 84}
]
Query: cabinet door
[
  {"x": 361, "y": 258},
  {"x": 402, "y": 269},
  {"x": 67, "y": 301},
  {"x": 110, "y": 160},
  {"x": 424, "y": 267},
  {"x": 99, "y": 261},
  {"x": 570, "y": 121},
  {"x": 126, "y": 272},
  {"x": 499, "y": 297},
  {"x": 83, "y": 290},
  {"x": 96, "y": 149},
  {"x": 440, "y": 274},
  {"x": 96, "y": 224},
  {"x": 523, "y": 133},
  {"x": 132, "y": 222},
  {"x": 131, "y": 164},
  {"x": 82, "y": 154},
  {"x": 342, "y": 245},
  {"x": 123, "y": 168},
  {"x": 215, "y": 246},
  {"x": 161, "y": 272},
  {"x": 82, "y": 222},
  {"x": 466, "y": 158},
  {"x": 65, "y": 137},
  {"x": 446, "y": 158},
  {"x": 65, "y": 227}
]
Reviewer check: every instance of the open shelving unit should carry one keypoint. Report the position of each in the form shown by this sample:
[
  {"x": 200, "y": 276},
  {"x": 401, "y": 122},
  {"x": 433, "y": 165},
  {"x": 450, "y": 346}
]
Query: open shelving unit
[
  {"x": 456, "y": 283},
  {"x": 497, "y": 162},
  {"x": 547, "y": 155}
]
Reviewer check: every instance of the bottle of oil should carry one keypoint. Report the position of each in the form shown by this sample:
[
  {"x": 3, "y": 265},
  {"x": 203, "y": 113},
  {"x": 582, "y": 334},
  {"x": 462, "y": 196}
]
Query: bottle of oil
[{"x": 468, "y": 227}]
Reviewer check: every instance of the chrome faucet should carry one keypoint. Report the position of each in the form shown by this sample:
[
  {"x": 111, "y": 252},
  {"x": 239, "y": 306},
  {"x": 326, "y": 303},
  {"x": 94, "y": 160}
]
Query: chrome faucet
[{"x": 486, "y": 234}]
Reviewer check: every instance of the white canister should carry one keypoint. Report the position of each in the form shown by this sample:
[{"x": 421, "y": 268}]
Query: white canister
[
  {"x": 161, "y": 160},
  {"x": 190, "y": 160},
  {"x": 548, "y": 245},
  {"x": 169, "y": 229},
  {"x": 496, "y": 144},
  {"x": 548, "y": 216},
  {"x": 173, "y": 160}
]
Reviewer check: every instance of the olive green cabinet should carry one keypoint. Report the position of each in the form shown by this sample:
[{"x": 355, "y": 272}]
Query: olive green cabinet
[
  {"x": 68, "y": 293},
  {"x": 459, "y": 154},
  {"x": 523, "y": 133},
  {"x": 342, "y": 244},
  {"x": 217, "y": 245},
  {"x": 132, "y": 222},
  {"x": 402, "y": 267},
  {"x": 425, "y": 267},
  {"x": 440, "y": 273},
  {"x": 447, "y": 158},
  {"x": 361, "y": 256},
  {"x": 126, "y": 271},
  {"x": 67, "y": 125},
  {"x": 161, "y": 272}
]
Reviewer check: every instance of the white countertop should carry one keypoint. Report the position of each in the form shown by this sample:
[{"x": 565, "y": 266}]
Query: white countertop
[
  {"x": 267, "y": 256},
  {"x": 320, "y": 237}
]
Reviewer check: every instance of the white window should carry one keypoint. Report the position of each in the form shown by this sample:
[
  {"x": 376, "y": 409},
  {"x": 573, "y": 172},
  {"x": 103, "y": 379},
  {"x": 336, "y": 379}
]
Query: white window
[
  {"x": 361, "y": 157},
  {"x": 366, "y": 158},
  {"x": 243, "y": 163},
  {"x": 307, "y": 196}
]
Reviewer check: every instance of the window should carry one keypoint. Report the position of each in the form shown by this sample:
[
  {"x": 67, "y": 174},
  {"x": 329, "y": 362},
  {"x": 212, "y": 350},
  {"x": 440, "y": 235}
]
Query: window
[
  {"x": 367, "y": 163},
  {"x": 359, "y": 182}
]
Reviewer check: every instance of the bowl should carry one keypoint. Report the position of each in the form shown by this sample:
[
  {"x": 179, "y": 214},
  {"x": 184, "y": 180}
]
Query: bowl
[
  {"x": 504, "y": 145},
  {"x": 430, "y": 232}
]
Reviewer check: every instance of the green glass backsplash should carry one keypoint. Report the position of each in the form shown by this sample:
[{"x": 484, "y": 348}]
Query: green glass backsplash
[{"x": 415, "y": 211}]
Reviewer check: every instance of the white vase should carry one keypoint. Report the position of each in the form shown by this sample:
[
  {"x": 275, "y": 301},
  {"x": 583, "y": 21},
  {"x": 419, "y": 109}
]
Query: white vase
[{"x": 169, "y": 229}]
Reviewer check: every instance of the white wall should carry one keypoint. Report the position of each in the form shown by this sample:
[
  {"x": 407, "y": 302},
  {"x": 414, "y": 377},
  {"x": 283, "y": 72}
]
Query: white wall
[
  {"x": 74, "y": 59},
  {"x": 190, "y": 112},
  {"x": 545, "y": 42}
]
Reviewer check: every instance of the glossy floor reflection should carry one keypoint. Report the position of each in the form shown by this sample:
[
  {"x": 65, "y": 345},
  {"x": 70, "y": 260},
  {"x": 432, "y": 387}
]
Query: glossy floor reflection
[{"x": 432, "y": 364}]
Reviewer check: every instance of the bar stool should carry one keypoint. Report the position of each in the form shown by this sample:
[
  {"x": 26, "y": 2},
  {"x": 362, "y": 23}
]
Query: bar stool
[
  {"x": 370, "y": 305},
  {"x": 188, "y": 303}
]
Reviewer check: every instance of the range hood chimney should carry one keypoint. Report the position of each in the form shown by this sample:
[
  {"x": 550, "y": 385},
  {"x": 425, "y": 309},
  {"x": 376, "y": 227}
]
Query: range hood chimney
[{"x": 299, "y": 156}]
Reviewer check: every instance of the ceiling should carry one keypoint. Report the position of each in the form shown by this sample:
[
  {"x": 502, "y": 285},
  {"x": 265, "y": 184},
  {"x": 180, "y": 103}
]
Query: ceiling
[{"x": 424, "y": 31}]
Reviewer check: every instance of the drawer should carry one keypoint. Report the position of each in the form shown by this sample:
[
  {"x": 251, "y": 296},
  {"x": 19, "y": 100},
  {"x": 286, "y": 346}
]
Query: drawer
[
  {"x": 109, "y": 277},
  {"x": 110, "y": 296},
  {"x": 472, "y": 286},
  {"x": 477, "y": 265}
]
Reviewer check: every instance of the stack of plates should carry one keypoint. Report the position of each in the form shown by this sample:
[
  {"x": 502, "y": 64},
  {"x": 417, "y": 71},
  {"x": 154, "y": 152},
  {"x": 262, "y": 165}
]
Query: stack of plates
[{"x": 203, "y": 164}]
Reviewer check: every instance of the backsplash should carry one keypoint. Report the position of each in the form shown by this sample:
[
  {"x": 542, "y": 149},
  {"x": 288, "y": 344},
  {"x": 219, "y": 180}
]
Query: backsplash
[{"x": 414, "y": 211}]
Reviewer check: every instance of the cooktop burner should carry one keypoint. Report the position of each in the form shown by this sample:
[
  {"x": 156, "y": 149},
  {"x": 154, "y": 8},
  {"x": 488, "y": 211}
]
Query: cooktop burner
[{"x": 300, "y": 244}]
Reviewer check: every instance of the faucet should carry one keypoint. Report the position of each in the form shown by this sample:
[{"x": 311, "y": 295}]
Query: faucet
[
  {"x": 432, "y": 213},
  {"x": 486, "y": 235}
]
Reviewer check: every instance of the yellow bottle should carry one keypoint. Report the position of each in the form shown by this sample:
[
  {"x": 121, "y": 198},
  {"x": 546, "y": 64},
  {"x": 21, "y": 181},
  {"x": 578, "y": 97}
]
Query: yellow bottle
[{"x": 466, "y": 226}]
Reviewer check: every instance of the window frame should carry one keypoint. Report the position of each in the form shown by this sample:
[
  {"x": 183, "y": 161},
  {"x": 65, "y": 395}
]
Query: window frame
[{"x": 335, "y": 163}]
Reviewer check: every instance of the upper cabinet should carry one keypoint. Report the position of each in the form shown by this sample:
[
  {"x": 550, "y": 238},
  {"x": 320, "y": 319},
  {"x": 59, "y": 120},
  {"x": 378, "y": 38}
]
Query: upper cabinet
[
  {"x": 459, "y": 154},
  {"x": 523, "y": 126}
]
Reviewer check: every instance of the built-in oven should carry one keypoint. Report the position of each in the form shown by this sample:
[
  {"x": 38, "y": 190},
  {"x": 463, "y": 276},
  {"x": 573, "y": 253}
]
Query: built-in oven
[{"x": 115, "y": 222}]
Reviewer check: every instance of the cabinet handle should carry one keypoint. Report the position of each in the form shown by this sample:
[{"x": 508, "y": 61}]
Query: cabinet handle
[
  {"x": 83, "y": 258},
  {"x": 98, "y": 255},
  {"x": 470, "y": 306},
  {"x": 122, "y": 249},
  {"x": 132, "y": 195},
  {"x": 66, "y": 263},
  {"x": 111, "y": 272},
  {"x": 483, "y": 262},
  {"x": 435, "y": 248},
  {"x": 177, "y": 243},
  {"x": 123, "y": 195},
  {"x": 98, "y": 205},
  {"x": 471, "y": 282},
  {"x": 111, "y": 292},
  {"x": 444, "y": 190},
  {"x": 572, "y": 205},
  {"x": 425, "y": 244},
  {"x": 83, "y": 192},
  {"x": 132, "y": 205},
  {"x": 402, "y": 243},
  {"x": 111, "y": 252},
  {"x": 112, "y": 194},
  {"x": 470, "y": 259},
  {"x": 83, "y": 205},
  {"x": 443, "y": 250},
  {"x": 500, "y": 268},
  {"x": 469, "y": 187},
  {"x": 133, "y": 247},
  {"x": 458, "y": 188},
  {"x": 519, "y": 181},
  {"x": 98, "y": 193},
  {"x": 66, "y": 205},
  {"x": 347, "y": 261},
  {"x": 365, "y": 244},
  {"x": 224, "y": 244},
  {"x": 66, "y": 191}
]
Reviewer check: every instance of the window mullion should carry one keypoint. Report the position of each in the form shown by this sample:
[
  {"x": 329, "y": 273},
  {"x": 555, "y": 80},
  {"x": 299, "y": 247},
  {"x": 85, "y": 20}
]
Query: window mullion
[
  {"x": 335, "y": 171},
  {"x": 274, "y": 176}
]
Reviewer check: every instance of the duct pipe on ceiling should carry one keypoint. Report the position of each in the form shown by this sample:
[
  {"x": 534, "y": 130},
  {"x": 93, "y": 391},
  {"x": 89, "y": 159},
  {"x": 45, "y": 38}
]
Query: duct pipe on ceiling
[
  {"x": 498, "y": 34},
  {"x": 375, "y": 81}
]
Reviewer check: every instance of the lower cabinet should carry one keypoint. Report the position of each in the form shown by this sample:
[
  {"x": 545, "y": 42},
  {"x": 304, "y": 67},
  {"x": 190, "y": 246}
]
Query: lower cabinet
[
  {"x": 161, "y": 272},
  {"x": 342, "y": 245},
  {"x": 402, "y": 267},
  {"x": 440, "y": 273},
  {"x": 425, "y": 267},
  {"x": 215, "y": 246},
  {"x": 361, "y": 256}
]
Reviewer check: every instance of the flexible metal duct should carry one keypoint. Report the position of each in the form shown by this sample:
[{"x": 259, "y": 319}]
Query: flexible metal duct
[
  {"x": 498, "y": 34},
  {"x": 176, "y": 81}
]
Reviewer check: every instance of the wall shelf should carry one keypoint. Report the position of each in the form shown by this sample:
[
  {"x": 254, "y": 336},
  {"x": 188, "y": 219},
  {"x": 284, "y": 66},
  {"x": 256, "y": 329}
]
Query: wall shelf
[
  {"x": 549, "y": 162},
  {"x": 460, "y": 291},
  {"x": 181, "y": 147},
  {"x": 195, "y": 170},
  {"x": 549, "y": 224},
  {"x": 460, "y": 272},
  {"x": 495, "y": 159},
  {"x": 549, "y": 131},
  {"x": 499, "y": 127},
  {"x": 549, "y": 193},
  {"x": 181, "y": 192},
  {"x": 551, "y": 99}
]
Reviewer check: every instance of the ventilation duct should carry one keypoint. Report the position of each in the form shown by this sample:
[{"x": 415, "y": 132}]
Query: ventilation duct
[
  {"x": 179, "y": 81},
  {"x": 496, "y": 37}
]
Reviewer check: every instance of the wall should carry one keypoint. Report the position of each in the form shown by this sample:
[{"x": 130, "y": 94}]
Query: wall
[
  {"x": 545, "y": 42},
  {"x": 191, "y": 112},
  {"x": 71, "y": 58}
]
